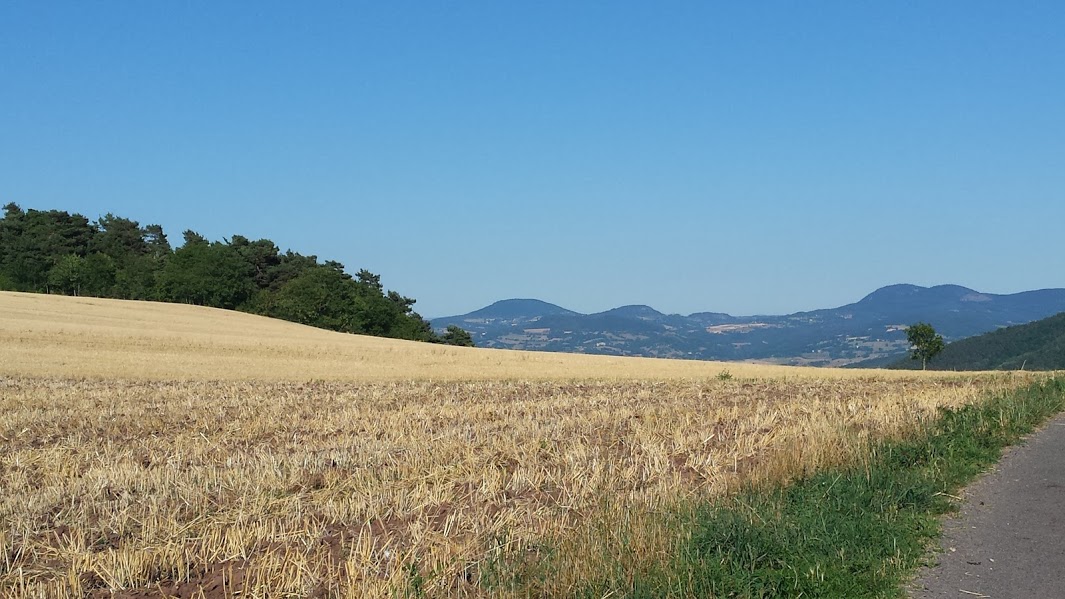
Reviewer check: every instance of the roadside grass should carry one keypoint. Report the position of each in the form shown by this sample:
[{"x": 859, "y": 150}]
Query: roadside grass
[{"x": 858, "y": 531}]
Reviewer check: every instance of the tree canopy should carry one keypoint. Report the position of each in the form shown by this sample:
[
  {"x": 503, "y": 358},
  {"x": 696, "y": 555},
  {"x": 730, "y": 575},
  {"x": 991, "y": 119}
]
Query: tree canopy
[
  {"x": 53, "y": 251},
  {"x": 925, "y": 342},
  {"x": 457, "y": 336}
]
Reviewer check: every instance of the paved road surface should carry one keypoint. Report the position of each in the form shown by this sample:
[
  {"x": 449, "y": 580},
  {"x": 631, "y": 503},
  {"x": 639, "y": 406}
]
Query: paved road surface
[{"x": 1008, "y": 541}]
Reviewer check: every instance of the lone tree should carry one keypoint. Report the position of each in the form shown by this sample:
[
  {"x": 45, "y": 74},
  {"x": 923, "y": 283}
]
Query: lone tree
[{"x": 926, "y": 343}]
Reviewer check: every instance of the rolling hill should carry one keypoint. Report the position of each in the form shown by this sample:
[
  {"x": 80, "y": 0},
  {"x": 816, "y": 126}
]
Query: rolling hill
[
  {"x": 869, "y": 329},
  {"x": 79, "y": 337}
]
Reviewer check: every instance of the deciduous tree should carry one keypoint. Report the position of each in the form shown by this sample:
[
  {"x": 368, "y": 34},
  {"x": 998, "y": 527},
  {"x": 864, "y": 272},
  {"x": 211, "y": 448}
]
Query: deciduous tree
[
  {"x": 208, "y": 274},
  {"x": 924, "y": 341}
]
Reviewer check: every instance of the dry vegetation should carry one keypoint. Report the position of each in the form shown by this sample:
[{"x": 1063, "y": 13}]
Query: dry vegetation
[
  {"x": 45, "y": 335},
  {"x": 157, "y": 450}
]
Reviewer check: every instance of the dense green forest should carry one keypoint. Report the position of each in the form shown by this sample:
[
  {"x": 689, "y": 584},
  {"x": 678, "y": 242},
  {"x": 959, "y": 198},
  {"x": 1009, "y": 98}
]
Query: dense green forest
[
  {"x": 53, "y": 251},
  {"x": 1038, "y": 345}
]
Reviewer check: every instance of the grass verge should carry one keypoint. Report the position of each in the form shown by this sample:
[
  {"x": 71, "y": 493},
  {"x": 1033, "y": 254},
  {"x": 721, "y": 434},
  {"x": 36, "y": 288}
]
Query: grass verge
[{"x": 859, "y": 531}]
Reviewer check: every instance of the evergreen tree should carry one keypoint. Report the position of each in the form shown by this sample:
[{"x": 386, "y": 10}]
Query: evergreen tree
[
  {"x": 120, "y": 238},
  {"x": 34, "y": 241},
  {"x": 135, "y": 260},
  {"x": 158, "y": 246},
  {"x": 263, "y": 257}
]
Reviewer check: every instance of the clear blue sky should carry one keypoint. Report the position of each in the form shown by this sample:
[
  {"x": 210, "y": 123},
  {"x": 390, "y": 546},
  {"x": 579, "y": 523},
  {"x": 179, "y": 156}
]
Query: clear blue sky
[{"x": 739, "y": 157}]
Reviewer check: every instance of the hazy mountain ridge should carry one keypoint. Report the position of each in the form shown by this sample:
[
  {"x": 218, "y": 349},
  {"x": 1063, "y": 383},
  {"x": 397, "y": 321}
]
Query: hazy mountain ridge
[
  {"x": 870, "y": 328},
  {"x": 517, "y": 309}
]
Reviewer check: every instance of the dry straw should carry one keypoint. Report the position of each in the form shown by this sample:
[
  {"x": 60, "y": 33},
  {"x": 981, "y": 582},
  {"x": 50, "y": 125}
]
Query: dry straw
[{"x": 175, "y": 449}]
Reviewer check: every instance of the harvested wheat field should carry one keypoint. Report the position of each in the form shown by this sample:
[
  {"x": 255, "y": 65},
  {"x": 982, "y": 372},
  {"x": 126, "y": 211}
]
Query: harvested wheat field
[
  {"x": 155, "y": 450},
  {"x": 105, "y": 339}
]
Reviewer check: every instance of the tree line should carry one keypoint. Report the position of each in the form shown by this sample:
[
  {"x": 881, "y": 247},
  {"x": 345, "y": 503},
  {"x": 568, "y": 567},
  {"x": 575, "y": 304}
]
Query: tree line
[{"x": 53, "y": 251}]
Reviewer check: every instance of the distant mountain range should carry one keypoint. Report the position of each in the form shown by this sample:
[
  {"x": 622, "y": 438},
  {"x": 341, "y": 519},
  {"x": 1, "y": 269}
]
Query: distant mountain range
[{"x": 870, "y": 329}]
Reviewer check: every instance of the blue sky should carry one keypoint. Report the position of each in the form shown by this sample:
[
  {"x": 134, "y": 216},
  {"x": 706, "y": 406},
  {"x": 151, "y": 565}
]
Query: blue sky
[{"x": 738, "y": 157}]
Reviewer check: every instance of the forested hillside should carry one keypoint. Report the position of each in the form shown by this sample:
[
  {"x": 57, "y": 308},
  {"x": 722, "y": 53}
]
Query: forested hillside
[
  {"x": 53, "y": 251},
  {"x": 1038, "y": 345}
]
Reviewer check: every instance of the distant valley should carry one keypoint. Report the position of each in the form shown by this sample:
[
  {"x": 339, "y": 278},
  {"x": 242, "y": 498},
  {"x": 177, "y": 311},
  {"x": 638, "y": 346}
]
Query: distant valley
[{"x": 871, "y": 329}]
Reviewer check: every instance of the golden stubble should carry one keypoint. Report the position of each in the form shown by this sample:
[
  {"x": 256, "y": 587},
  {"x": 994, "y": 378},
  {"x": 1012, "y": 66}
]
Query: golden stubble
[
  {"x": 354, "y": 483},
  {"x": 343, "y": 487}
]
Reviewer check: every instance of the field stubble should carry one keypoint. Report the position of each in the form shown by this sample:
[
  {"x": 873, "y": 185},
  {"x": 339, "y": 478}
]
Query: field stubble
[
  {"x": 346, "y": 489},
  {"x": 154, "y": 449}
]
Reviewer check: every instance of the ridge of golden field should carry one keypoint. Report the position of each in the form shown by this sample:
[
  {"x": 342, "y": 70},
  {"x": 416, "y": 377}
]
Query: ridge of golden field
[{"x": 52, "y": 335}]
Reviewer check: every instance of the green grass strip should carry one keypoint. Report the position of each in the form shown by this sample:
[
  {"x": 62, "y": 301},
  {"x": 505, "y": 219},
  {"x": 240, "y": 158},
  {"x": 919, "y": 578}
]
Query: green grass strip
[{"x": 857, "y": 532}]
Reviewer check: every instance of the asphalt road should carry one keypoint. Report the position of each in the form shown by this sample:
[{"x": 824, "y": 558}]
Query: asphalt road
[{"x": 1008, "y": 541}]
